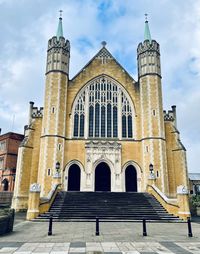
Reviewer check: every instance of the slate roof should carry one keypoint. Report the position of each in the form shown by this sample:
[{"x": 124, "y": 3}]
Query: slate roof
[{"x": 194, "y": 176}]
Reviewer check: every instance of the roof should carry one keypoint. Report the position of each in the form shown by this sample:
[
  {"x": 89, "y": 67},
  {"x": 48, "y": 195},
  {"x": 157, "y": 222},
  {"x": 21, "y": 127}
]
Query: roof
[
  {"x": 12, "y": 135},
  {"x": 194, "y": 176},
  {"x": 102, "y": 54},
  {"x": 60, "y": 29},
  {"x": 147, "y": 34}
]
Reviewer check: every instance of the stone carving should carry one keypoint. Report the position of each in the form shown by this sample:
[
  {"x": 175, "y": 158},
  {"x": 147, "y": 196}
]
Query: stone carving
[
  {"x": 146, "y": 45},
  {"x": 35, "y": 187},
  {"x": 88, "y": 158},
  {"x": 152, "y": 176},
  {"x": 103, "y": 145},
  {"x": 108, "y": 151},
  {"x": 104, "y": 53},
  {"x": 37, "y": 113},
  {"x": 168, "y": 117},
  {"x": 61, "y": 43},
  {"x": 183, "y": 190},
  {"x": 57, "y": 175}
]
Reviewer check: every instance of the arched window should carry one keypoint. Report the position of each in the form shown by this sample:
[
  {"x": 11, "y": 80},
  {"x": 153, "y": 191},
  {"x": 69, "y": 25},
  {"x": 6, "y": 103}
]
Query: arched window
[{"x": 103, "y": 109}]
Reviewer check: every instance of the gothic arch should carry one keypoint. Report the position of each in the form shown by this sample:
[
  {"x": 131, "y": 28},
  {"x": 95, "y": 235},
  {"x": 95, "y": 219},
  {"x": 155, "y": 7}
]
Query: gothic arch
[
  {"x": 102, "y": 174},
  {"x": 103, "y": 109},
  {"x": 99, "y": 76},
  {"x": 105, "y": 160},
  {"x": 138, "y": 171},
  {"x": 66, "y": 172},
  {"x": 112, "y": 170}
]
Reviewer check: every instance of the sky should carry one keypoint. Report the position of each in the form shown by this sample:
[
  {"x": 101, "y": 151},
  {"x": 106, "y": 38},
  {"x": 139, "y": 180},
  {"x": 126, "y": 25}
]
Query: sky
[{"x": 26, "y": 26}]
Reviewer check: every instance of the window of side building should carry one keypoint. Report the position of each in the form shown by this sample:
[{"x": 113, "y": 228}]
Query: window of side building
[
  {"x": 1, "y": 162},
  {"x": 2, "y": 146}
]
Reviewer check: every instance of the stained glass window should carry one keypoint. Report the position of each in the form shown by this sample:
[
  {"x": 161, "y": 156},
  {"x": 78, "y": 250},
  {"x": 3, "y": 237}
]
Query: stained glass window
[{"x": 103, "y": 109}]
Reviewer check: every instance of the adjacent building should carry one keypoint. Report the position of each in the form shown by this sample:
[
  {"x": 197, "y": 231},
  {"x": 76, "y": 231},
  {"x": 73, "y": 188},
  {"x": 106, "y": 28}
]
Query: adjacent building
[
  {"x": 9, "y": 144},
  {"x": 194, "y": 179}
]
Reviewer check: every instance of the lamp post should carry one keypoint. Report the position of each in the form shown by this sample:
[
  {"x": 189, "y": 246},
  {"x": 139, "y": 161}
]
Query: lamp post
[
  {"x": 57, "y": 167},
  {"x": 57, "y": 175},
  {"x": 151, "y": 175},
  {"x": 151, "y": 168}
]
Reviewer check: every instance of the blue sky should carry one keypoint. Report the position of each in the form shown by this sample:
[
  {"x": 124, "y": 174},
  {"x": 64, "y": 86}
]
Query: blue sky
[{"x": 26, "y": 26}]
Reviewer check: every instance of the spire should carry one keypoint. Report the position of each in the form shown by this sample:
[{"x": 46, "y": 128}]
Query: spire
[
  {"x": 147, "y": 34},
  {"x": 60, "y": 28}
]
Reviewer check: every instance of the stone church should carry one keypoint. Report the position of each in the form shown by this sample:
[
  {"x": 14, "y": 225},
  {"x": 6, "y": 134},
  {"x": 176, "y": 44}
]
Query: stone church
[{"x": 102, "y": 131}]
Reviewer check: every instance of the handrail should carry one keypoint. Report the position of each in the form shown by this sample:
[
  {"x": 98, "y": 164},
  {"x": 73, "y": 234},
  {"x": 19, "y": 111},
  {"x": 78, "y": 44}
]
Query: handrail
[
  {"x": 45, "y": 203},
  {"x": 169, "y": 201},
  {"x": 50, "y": 194}
]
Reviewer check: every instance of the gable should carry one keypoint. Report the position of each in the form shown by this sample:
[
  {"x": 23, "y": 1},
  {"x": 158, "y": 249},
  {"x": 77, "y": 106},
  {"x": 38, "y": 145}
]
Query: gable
[{"x": 103, "y": 59}]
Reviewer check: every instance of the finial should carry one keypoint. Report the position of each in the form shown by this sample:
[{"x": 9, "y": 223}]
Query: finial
[
  {"x": 147, "y": 34},
  {"x": 103, "y": 44},
  {"x": 146, "y": 17},
  {"x": 59, "y": 29},
  {"x": 61, "y": 11}
]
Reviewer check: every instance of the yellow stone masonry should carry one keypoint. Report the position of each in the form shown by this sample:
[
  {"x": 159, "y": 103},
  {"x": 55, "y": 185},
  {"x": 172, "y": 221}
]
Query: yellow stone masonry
[{"x": 49, "y": 139}]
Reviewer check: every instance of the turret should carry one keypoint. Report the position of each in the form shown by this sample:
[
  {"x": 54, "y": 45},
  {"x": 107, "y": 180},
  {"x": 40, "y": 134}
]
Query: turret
[
  {"x": 54, "y": 116},
  {"x": 152, "y": 120},
  {"x": 58, "y": 52},
  {"x": 148, "y": 55}
]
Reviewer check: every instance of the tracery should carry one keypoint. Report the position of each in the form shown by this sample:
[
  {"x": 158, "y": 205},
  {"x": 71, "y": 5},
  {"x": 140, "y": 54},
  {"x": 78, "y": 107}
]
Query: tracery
[{"x": 103, "y": 110}]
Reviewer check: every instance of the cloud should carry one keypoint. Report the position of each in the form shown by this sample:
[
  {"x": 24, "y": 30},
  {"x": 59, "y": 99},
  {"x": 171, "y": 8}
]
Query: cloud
[{"x": 27, "y": 25}]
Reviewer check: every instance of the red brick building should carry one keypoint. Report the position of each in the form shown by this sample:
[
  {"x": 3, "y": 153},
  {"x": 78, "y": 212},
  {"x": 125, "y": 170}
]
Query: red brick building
[{"x": 9, "y": 144}]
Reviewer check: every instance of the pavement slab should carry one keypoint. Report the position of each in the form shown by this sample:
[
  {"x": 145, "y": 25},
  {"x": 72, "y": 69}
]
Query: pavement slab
[{"x": 115, "y": 237}]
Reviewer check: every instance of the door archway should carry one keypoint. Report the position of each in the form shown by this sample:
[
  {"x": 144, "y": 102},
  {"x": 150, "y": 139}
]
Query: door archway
[
  {"x": 74, "y": 178},
  {"x": 131, "y": 179},
  {"x": 102, "y": 177}
]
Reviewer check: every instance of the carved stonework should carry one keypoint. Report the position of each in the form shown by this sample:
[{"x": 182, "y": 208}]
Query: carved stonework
[
  {"x": 168, "y": 116},
  {"x": 104, "y": 55},
  {"x": 103, "y": 151},
  {"x": 35, "y": 187},
  {"x": 148, "y": 55},
  {"x": 109, "y": 152},
  {"x": 152, "y": 176},
  {"x": 37, "y": 113},
  {"x": 57, "y": 175},
  {"x": 146, "y": 45},
  {"x": 58, "y": 54},
  {"x": 58, "y": 44},
  {"x": 183, "y": 190}
]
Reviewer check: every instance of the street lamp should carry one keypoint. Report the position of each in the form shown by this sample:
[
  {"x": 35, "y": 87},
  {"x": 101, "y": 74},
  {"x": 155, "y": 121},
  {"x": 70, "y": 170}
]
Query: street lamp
[
  {"x": 151, "y": 168},
  {"x": 57, "y": 166}
]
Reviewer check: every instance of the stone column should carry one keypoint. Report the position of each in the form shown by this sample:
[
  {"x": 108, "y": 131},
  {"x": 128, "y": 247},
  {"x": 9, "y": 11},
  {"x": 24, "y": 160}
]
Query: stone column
[
  {"x": 34, "y": 201},
  {"x": 183, "y": 202}
]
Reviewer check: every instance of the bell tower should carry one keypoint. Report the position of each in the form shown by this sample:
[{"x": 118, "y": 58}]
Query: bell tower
[
  {"x": 54, "y": 117},
  {"x": 58, "y": 52},
  {"x": 152, "y": 119}
]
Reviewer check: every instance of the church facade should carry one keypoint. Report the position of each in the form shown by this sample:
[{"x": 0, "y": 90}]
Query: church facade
[{"x": 101, "y": 130}]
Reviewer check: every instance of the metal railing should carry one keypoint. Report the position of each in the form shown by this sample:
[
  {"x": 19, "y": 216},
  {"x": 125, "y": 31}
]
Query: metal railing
[{"x": 144, "y": 226}]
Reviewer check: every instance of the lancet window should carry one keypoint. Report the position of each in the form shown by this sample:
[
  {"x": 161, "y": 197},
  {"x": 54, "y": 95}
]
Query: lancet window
[{"x": 102, "y": 109}]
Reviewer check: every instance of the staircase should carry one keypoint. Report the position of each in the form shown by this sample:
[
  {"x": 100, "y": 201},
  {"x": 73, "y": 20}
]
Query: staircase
[{"x": 121, "y": 206}]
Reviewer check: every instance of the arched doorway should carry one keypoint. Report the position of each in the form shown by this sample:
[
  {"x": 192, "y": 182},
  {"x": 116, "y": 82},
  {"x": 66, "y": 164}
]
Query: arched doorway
[
  {"x": 131, "y": 179},
  {"x": 74, "y": 178},
  {"x": 102, "y": 177},
  {"x": 5, "y": 184}
]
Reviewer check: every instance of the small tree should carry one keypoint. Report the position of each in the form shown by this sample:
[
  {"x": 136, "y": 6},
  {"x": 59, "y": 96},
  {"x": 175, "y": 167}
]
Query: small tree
[{"x": 196, "y": 201}]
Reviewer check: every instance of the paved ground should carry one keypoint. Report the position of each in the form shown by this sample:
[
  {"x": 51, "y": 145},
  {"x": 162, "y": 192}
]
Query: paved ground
[{"x": 79, "y": 237}]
